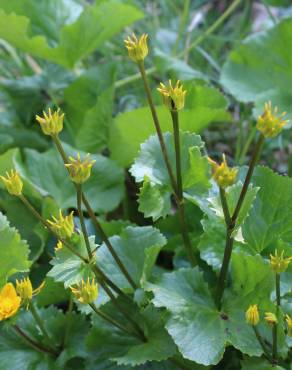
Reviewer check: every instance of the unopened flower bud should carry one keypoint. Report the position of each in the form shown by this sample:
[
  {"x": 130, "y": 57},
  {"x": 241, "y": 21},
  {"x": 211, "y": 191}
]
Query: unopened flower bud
[
  {"x": 137, "y": 48},
  {"x": 51, "y": 123},
  {"x": 63, "y": 226},
  {"x": 12, "y": 182},
  {"x": 271, "y": 318},
  {"x": 279, "y": 263},
  {"x": 25, "y": 291},
  {"x": 80, "y": 170},
  {"x": 270, "y": 123},
  {"x": 173, "y": 97},
  {"x": 86, "y": 292},
  {"x": 289, "y": 325},
  {"x": 222, "y": 174},
  {"x": 252, "y": 315}
]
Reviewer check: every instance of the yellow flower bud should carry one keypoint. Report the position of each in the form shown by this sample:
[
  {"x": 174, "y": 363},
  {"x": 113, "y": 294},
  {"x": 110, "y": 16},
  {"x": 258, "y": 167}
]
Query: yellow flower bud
[
  {"x": 222, "y": 174},
  {"x": 86, "y": 292},
  {"x": 279, "y": 263},
  {"x": 9, "y": 302},
  {"x": 80, "y": 170},
  {"x": 270, "y": 124},
  {"x": 25, "y": 291},
  {"x": 64, "y": 226},
  {"x": 51, "y": 123},
  {"x": 173, "y": 97},
  {"x": 271, "y": 318},
  {"x": 12, "y": 182},
  {"x": 252, "y": 315},
  {"x": 59, "y": 246},
  {"x": 289, "y": 325},
  {"x": 137, "y": 48}
]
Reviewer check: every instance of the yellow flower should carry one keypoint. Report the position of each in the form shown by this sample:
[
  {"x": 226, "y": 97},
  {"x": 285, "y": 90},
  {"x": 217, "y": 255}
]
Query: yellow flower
[
  {"x": 25, "y": 291},
  {"x": 51, "y": 123},
  {"x": 252, "y": 315},
  {"x": 222, "y": 174},
  {"x": 9, "y": 301},
  {"x": 289, "y": 324},
  {"x": 270, "y": 123},
  {"x": 86, "y": 292},
  {"x": 279, "y": 263},
  {"x": 137, "y": 48},
  {"x": 80, "y": 170},
  {"x": 271, "y": 318},
  {"x": 64, "y": 226},
  {"x": 12, "y": 182},
  {"x": 173, "y": 97},
  {"x": 59, "y": 246}
]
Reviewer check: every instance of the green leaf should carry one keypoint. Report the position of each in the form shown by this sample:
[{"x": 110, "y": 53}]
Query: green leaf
[
  {"x": 15, "y": 353},
  {"x": 154, "y": 201},
  {"x": 13, "y": 251},
  {"x": 137, "y": 248},
  {"x": 69, "y": 268},
  {"x": 109, "y": 342},
  {"x": 89, "y": 105},
  {"x": 271, "y": 216},
  {"x": 251, "y": 274},
  {"x": 149, "y": 166},
  {"x": 258, "y": 363},
  {"x": 198, "y": 329},
  {"x": 52, "y": 293},
  {"x": 46, "y": 172},
  {"x": 130, "y": 129},
  {"x": 76, "y": 40},
  {"x": 250, "y": 77}
]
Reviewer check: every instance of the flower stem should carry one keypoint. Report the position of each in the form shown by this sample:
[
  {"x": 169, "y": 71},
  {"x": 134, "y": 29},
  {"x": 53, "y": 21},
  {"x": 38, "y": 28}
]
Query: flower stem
[
  {"x": 96, "y": 223},
  {"x": 193, "y": 45},
  {"x": 112, "y": 321},
  {"x": 278, "y": 290},
  {"x": 232, "y": 222},
  {"x": 262, "y": 344},
  {"x": 47, "y": 225},
  {"x": 69, "y": 246},
  {"x": 81, "y": 219},
  {"x": 119, "y": 307},
  {"x": 35, "y": 345},
  {"x": 275, "y": 343},
  {"x": 180, "y": 202},
  {"x": 224, "y": 205},
  {"x": 157, "y": 126},
  {"x": 39, "y": 322}
]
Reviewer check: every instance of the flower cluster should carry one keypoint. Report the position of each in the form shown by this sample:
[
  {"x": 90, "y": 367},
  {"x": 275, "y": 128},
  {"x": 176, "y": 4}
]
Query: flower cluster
[
  {"x": 270, "y": 123},
  {"x": 51, "y": 123},
  {"x": 12, "y": 182},
  {"x": 86, "y": 292},
  {"x": 222, "y": 174},
  {"x": 62, "y": 226},
  {"x": 11, "y": 298},
  {"x": 79, "y": 169},
  {"x": 137, "y": 48},
  {"x": 279, "y": 263},
  {"x": 173, "y": 96}
]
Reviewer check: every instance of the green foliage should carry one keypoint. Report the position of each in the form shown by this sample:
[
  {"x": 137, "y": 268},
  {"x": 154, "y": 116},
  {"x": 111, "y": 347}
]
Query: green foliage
[
  {"x": 75, "y": 40},
  {"x": 13, "y": 251},
  {"x": 259, "y": 69},
  {"x": 130, "y": 129},
  {"x": 137, "y": 248},
  {"x": 156, "y": 308}
]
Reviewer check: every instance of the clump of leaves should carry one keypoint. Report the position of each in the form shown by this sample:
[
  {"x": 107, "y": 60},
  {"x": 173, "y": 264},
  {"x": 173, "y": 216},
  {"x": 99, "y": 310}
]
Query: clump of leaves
[{"x": 231, "y": 280}]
